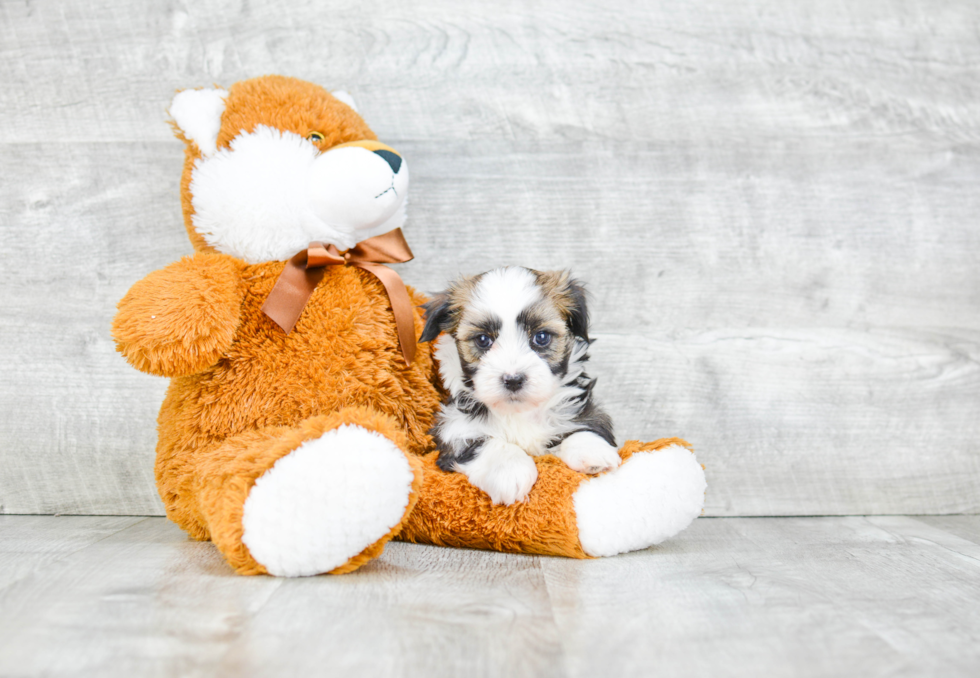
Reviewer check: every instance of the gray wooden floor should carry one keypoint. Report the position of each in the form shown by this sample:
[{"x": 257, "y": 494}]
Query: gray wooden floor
[{"x": 843, "y": 596}]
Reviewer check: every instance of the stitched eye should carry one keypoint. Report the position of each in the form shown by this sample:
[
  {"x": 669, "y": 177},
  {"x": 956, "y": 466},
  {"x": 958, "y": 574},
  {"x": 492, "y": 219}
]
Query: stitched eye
[
  {"x": 542, "y": 339},
  {"x": 315, "y": 137},
  {"x": 483, "y": 341}
]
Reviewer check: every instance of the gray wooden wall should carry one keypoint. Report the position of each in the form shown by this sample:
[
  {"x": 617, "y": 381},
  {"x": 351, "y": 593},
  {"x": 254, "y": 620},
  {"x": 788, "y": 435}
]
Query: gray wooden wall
[{"x": 775, "y": 204}]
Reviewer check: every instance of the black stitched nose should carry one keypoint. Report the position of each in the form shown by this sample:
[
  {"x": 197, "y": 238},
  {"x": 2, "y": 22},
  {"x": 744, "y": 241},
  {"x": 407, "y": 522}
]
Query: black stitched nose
[
  {"x": 393, "y": 159},
  {"x": 514, "y": 382}
]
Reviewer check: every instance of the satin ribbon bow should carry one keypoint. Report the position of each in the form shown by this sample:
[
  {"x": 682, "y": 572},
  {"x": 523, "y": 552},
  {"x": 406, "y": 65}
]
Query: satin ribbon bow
[{"x": 304, "y": 271}]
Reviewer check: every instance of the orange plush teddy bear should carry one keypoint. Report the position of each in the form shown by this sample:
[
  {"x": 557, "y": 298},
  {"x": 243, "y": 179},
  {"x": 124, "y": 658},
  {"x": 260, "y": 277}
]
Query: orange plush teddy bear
[{"x": 294, "y": 434}]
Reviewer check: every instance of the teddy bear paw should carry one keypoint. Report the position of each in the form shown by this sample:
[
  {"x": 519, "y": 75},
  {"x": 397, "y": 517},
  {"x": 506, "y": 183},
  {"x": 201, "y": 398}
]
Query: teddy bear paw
[
  {"x": 326, "y": 502},
  {"x": 651, "y": 497}
]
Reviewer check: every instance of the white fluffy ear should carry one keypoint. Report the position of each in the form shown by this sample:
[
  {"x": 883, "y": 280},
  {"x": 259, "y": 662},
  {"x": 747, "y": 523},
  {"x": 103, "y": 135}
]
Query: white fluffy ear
[
  {"x": 197, "y": 113},
  {"x": 344, "y": 96}
]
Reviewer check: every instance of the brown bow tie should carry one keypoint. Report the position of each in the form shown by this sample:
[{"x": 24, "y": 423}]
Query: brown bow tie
[{"x": 304, "y": 271}]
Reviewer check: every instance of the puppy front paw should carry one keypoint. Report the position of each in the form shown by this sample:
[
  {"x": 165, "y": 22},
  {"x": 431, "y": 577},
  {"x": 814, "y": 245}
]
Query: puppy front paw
[
  {"x": 502, "y": 470},
  {"x": 587, "y": 452}
]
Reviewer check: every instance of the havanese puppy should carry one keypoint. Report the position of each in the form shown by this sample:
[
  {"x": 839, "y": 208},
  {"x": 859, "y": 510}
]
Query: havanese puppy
[{"x": 513, "y": 362}]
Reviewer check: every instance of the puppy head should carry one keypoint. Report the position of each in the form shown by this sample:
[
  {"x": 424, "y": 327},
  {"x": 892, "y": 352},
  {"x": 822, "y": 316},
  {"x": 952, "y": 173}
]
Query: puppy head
[{"x": 514, "y": 331}]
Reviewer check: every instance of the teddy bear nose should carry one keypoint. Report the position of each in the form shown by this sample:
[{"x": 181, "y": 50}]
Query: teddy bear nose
[
  {"x": 393, "y": 159},
  {"x": 514, "y": 382}
]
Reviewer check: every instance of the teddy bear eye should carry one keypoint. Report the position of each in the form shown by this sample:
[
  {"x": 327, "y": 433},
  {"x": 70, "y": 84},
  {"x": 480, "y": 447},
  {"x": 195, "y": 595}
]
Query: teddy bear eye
[
  {"x": 483, "y": 341},
  {"x": 315, "y": 137}
]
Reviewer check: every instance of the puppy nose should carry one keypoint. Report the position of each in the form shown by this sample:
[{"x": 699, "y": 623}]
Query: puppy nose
[
  {"x": 393, "y": 159},
  {"x": 514, "y": 382}
]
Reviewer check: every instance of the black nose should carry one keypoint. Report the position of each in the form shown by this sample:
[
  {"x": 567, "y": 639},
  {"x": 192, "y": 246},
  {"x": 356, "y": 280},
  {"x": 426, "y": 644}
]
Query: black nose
[
  {"x": 514, "y": 382},
  {"x": 393, "y": 159}
]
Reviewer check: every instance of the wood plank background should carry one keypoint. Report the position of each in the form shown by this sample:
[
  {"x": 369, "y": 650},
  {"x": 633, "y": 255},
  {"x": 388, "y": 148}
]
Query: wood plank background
[{"x": 775, "y": 205}]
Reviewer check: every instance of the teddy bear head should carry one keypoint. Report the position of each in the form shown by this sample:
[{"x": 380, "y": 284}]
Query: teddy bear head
[{"x": 274, "y": 163}]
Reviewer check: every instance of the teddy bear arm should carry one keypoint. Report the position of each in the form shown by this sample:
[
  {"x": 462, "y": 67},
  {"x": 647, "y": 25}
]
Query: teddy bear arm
[
  {"x": 656, "y": 492},
  {"x": 181, "y": 319},
  {"x": 453, "y": 512}
]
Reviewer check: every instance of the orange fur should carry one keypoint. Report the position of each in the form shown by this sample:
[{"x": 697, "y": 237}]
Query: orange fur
[
  {"x": 452, "y": 512},
  {"x": 235, "y": 419},
  {"x": 244, "y": 394},
  {"x": 275, "y": 101},
  {"x": 181, "y": 319}
]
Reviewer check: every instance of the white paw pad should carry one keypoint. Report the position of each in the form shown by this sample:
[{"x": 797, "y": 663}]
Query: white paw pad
[
  {"x": 651, "y": 497},
  {"x": 326, "y": 501}
]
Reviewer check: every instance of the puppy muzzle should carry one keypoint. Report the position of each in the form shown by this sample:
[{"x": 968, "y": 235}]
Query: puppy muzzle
[{"x": 514, "y": 382}]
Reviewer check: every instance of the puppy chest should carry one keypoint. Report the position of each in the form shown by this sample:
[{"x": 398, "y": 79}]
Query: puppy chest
[{"x": 532, "y": 431}]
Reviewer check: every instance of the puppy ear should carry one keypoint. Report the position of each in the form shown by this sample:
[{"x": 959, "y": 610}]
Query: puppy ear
[
  {"x": 577, "y": 310},
  {"x": 570, "y": 298},
  {"x": 438, "y": 315}
]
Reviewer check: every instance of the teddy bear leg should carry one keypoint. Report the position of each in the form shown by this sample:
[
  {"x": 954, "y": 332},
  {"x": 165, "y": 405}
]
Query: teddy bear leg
[
  {"x": 324, "y": 496},
  {"x": 656, "y": 492}
]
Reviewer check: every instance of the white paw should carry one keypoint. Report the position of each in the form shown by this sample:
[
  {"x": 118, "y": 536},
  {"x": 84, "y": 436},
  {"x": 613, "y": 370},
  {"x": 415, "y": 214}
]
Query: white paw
[
  {"x": 326, "y": 501},
  {"x": 587, "y": 452},
  {"x": 502, "y": 470},
  {"x": 651, "y": 497}
]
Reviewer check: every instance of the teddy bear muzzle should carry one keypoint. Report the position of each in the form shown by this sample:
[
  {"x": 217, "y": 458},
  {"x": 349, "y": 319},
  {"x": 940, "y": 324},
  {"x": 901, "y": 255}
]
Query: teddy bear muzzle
[{"x": 360, "y": 185}]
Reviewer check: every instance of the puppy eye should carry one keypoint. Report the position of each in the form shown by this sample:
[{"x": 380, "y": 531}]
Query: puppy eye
[
  {"x": 483, "y": 341},
  {"x": 315, "y": 137},
  {"x": 542, "y": 339}
]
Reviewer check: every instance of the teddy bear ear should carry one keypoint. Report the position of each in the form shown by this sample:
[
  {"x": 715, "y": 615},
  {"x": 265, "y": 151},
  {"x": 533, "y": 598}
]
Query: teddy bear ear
[
  {"x": 345, "y": 97},
  {"x": 197, "y": 113}
]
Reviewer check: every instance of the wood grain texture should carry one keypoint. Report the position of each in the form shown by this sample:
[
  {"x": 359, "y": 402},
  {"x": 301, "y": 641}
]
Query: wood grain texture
[
  {"x": 774, "y": 205},
  {"x": 964, "y": 527},
  {"x": 146, "y": 601},
  {"x": 879, "y": 596},
  {"x": 28, "y": 543},
  {"x": 809, "y": 597},
  {"x": 578, "y": 70},
  {"x": 79, "y": 227},
  {"x": 418, "y": 610}
]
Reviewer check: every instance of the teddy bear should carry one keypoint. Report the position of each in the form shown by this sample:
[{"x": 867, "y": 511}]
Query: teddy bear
[{"x": 295, "y": 430}]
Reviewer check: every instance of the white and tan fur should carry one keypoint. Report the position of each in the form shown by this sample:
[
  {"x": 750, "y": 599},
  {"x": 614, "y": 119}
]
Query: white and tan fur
[{"x": 512, "y": 358}]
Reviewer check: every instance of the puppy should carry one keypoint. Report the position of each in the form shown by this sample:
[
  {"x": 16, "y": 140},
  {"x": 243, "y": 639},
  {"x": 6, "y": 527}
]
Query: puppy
[{"x": 513, "y": 361}]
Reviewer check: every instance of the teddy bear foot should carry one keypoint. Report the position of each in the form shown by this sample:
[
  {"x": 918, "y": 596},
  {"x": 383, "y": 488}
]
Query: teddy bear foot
[
  {"x": 329, "y": 505},
  {"x": 651, "y": 497}
]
